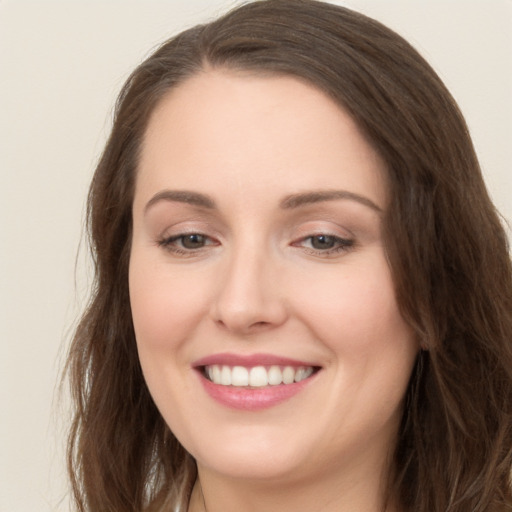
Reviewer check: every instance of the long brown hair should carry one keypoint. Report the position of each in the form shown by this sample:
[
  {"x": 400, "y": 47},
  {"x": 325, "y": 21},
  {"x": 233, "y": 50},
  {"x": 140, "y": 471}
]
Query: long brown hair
[{"x": 447, "y": 251}]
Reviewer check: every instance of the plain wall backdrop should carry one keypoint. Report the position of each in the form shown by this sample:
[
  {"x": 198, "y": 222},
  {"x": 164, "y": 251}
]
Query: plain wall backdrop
[{"x": 61, "y": 66}]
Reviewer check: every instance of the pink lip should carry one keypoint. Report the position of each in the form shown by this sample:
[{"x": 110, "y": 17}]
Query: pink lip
[
  {"x": 253, "y": 399},
  {"x": 250, "y": 399},
  {"x": 249, "y": 361}
]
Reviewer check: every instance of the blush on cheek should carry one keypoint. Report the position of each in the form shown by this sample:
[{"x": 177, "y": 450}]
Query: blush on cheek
[
  {"x": 164, "y": 312},
  {"x": 153, "y": 321},
  {"x": 361, "y": 309},
  {"x": 151, "y": 312}
]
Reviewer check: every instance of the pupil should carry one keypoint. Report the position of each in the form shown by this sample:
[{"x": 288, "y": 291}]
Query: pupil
[
  {"x": 193, "y": 241},
  {"x": 322, "y": 242}
]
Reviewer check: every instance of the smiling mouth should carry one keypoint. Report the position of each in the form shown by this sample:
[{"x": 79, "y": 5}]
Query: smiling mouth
[{"x": 256, "y": 376}]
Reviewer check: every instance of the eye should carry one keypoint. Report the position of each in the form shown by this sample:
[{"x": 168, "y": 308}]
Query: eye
[
  {"x": 324, "y": 244},
  {"x": 186, "y": 243},
  {"x": 192, "y": 241}
]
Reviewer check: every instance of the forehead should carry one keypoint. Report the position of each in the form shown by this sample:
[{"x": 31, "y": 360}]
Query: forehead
[{"x": 222, "y": 127}]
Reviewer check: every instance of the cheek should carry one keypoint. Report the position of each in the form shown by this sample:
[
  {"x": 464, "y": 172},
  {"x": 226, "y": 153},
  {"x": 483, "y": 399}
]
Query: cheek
[
  {"x": 165, "y": 304},
  {"x": 353, "y": 309},
  {"x": 355, "y": 315}
]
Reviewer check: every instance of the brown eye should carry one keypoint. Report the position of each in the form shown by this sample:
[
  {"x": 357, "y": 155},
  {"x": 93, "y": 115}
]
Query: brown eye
[
  {"x": 323, "y": 242},
  {"x": 193, "y": 241},
  {"x": 324, "y": 245}
]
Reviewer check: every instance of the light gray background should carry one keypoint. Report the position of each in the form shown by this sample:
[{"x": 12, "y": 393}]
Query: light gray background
[{"x": 61, "y": 66}]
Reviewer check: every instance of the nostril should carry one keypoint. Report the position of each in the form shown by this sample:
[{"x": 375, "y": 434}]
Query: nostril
[
  {"x": 260, "y": 324},
  {"x": 248, "y": 327},
  {"x": 239, "y": 309}
]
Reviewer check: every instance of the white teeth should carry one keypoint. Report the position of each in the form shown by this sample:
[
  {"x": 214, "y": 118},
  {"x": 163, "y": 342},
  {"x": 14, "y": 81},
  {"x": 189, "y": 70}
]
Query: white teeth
[
  {"x": 288, "y": 375},
  {"x": 239, "y": 375},
  {"x": 215, "y": 377},
  {"x": 225, "y": 376},
  {"x": 275, "y": 376},
  {"x": 303, "y": 373},
  {"x": 257, "y": 376}
]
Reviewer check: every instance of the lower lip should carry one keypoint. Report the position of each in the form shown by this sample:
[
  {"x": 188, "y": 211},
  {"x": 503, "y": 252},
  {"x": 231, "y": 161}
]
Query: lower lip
[{"x": 253, "y": 399}]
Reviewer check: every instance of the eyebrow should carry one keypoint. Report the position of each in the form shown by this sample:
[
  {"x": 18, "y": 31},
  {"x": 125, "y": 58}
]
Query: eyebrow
[
  {"x": 289, "y": 202},
  {"x": 182, "y": 196},
  {"x": 307, "y": 198}
]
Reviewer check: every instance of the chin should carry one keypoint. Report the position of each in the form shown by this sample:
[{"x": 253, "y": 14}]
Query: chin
[{"x": 253, "y": 457}]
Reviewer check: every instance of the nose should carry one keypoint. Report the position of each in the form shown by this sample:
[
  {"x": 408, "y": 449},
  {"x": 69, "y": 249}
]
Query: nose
[{"x": 249, "y": 297}]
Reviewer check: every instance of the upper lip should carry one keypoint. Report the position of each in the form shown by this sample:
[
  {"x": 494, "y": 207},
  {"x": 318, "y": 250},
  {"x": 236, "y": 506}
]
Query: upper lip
[{"x": 249, "y": 360}]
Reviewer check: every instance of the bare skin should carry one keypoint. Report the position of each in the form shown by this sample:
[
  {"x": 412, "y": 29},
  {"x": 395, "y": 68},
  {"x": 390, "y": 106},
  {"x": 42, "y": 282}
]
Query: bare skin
[{"x": 257, "y": 235}]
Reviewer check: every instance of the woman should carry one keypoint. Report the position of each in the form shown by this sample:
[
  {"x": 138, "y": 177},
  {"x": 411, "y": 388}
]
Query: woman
[{"x": 303, "y": 293}]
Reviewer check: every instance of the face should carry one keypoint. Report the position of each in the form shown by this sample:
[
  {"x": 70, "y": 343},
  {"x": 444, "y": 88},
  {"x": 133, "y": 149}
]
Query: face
[{"x": 264, "y": 311}]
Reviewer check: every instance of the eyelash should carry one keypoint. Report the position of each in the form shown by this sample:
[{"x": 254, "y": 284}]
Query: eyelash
[
  {"x": 170, "y": 243},
  {"x": 340, "y": 245}
]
